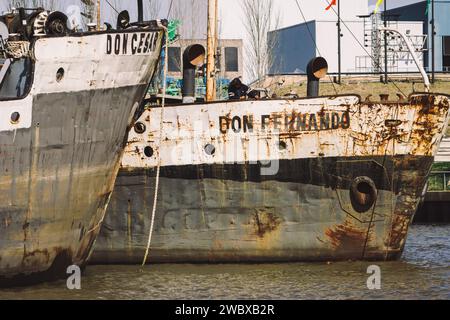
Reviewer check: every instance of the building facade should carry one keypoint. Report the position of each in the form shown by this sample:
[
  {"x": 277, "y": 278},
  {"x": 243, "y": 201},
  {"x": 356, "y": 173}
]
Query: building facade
[
  {"x": 229, "y": 57},
  {"x": 362, "y": 42},
  {"x": 229, "y": 65},
  {"x": 418, "y": 12}
]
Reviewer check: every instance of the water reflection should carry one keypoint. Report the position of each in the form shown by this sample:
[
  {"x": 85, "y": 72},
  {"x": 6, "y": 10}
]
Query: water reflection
[{"x": 423, "y": 273}]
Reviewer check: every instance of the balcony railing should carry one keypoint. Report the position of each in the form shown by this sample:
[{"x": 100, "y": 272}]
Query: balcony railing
[{"x": 439, "y": 181}]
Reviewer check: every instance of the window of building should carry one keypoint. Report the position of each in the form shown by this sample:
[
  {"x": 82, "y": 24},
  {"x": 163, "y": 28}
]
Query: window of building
[
  {"x": 231, "y": 59},
  {"x": 446, "y": 41},
  {"x": 218, "y": 59},
  {"x": 446, "y": 49},
  {"x": 174, "y": 59}
]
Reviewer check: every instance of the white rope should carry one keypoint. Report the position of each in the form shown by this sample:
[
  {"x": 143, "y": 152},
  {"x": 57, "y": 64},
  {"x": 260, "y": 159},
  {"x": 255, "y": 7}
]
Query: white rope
[{"x": 158, "y": 171}]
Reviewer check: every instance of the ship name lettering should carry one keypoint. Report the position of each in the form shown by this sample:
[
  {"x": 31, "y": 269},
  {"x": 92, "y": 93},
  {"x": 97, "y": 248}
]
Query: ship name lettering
[
  {"x": 286, "y": 122},
  {"x": 131, "y": 44}
]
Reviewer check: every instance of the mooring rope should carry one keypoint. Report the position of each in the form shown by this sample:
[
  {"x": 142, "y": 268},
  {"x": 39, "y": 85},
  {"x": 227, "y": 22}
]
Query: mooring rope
[{"x": 158, "y": 170}]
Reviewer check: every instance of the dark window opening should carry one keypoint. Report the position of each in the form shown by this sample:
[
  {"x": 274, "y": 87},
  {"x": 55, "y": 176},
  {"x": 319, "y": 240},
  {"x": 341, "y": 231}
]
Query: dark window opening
[
  {"x": 446, "y": 49},
  {"x": 148, "y": 151},
  {"x": 231, "y": 59},
  {"x": 218, "y": 58},
  {"x": 17, "y": 78},
  {"x": 446, "y": 41},
  {"x": 174, "y": 59}
]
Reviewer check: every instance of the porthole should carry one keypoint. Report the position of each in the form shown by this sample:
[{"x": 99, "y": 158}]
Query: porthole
[
  {"x": 282, "y": 145},
  {"x": 148, "y": 151},
  {"x": 60, "y": 74},
  {"x": 139, "y": 128},
  {"x": 15, "y": 117},
  {"x": 210, "y": 150}
]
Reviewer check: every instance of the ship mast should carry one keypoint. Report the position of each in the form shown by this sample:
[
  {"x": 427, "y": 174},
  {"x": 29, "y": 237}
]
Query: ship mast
[
  {"x": 212, "y": 49},
  {"x": 99, "y": 17}
]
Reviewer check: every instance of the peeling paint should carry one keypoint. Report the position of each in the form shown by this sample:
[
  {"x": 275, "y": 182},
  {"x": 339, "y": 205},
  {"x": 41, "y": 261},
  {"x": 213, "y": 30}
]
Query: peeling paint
[
  {"x": 304, "y": 210},
  {"x": 58, "y": 166}
]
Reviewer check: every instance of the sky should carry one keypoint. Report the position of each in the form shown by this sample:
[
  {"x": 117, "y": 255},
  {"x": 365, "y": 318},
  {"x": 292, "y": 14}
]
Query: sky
[
  {"x": 226, "y": 9},
  {"x": 396, "y": 3},
  {"x": 230, "y": 13}
]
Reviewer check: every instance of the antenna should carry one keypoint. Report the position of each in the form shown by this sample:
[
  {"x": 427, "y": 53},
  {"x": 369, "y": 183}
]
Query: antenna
[
  {"x": 212, "y": 49},
  {"x": 426, "y": 80}
]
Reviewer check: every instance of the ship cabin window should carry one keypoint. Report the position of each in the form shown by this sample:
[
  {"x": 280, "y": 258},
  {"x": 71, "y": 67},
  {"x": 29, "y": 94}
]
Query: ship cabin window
[
  {"x": 174, "y": 59},
  {"x": 15, "y": 78},
  {"x": 231, "y": 59}
]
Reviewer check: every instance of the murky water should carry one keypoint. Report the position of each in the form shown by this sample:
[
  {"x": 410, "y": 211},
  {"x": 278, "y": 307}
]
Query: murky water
[{"x": 423, "y": 273}]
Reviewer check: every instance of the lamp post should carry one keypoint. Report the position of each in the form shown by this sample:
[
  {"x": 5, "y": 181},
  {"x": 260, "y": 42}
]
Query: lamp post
[
  {"x": 433, "y": 43},
  {"x": 339, "y": 42},
  {"x": 385, "y": 44}
]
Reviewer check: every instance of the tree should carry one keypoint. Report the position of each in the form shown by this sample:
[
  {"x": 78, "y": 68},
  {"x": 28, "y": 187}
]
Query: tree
[
  {"x": 192, "y": 15},
  {"x": 46, "y": 4},
  {"x": 259, "y": 17},
  {"x": 113, "y": 15},
  {"x": 88, "y": 10},
  {"x": 153, "y": 8}
]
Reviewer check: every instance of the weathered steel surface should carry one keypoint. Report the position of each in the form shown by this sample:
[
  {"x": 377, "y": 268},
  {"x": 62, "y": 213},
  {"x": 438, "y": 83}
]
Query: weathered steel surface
[
  {"x": 223, "y": 207},
  {"x": 58, "y": 166}
]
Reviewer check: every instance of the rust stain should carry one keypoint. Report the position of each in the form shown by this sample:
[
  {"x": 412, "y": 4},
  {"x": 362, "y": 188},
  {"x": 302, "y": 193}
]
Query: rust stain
[
  {"x": 347, "y": 236},
  {"x": 36, "y": 258},
  {"x": 86, "y": 245},
  {"x": 51, "y": 257},
  {"x": 265, "y": 222},
  {"x": 217, "y": 245},
  {"x": 129, "y": 223},
  {"x": 399, "y": 231}
]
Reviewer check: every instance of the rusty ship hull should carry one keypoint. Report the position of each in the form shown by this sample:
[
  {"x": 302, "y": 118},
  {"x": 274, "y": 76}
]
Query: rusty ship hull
[
  {"x": 256, "y": 182},
  {"x": 60, "y": 159}
]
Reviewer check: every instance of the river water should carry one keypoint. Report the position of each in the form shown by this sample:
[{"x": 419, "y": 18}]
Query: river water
[{"x": 423, "y": 273}]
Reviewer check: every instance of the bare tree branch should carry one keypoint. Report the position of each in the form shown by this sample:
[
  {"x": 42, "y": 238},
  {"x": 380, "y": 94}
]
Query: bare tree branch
[
  {"x": 192, "y": 22},
  {"x": 46, "y": 4},
  {"x": 153, "y": 8},
  {"x": 192, "y": 14},
  {"x": 259, "y": 17}
]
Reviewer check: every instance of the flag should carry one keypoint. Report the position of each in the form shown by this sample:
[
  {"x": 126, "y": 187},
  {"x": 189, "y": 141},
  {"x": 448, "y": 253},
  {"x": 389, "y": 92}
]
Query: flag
[
  {"x": 428, "y": 6},
  {"x": 378, "y": 6},
  {"x": 332, "y": 3}
]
